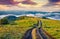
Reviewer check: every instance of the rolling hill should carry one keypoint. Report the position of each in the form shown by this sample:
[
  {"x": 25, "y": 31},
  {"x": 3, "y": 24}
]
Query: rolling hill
[{"x": 23, "y": 23}]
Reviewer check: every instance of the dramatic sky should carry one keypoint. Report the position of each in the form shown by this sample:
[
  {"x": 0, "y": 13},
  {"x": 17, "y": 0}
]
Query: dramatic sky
[{"x": 38, "y": 5}]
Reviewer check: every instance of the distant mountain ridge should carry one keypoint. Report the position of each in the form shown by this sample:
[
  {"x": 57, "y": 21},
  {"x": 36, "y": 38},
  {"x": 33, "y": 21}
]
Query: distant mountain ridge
[
  {"x": 50, "y": 15},
  {"x": 23, "y": 12}
]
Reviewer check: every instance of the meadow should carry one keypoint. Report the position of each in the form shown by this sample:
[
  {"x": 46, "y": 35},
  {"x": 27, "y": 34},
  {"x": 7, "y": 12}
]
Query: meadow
[{"x": 16, "y": 29}]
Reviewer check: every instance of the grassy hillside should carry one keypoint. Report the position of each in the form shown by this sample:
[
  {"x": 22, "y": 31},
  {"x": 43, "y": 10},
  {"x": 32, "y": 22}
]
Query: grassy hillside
[
  {"x": 52, "y": 27},
  {"x": 22, "y": 24}
]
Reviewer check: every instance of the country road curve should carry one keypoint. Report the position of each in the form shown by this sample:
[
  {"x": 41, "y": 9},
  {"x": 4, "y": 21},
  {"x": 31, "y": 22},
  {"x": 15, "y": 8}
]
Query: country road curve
[{"x": 37, "y": 33}]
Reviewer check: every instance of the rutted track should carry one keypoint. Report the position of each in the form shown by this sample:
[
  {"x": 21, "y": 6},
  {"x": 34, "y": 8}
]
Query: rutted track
[
  {"x": 36, "y": 33},
  {"x": 28, "y": 35}
]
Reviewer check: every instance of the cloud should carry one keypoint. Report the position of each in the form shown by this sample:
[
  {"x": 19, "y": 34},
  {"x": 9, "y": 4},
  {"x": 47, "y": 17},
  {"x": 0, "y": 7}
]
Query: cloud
[
  {"x": 29, "y": 2},
  {"x": 13, "y": 2},
  {"x": 8, "y": 2},
  {"x": 54, "y": 2},
  {"x": 31, "y": 5}
]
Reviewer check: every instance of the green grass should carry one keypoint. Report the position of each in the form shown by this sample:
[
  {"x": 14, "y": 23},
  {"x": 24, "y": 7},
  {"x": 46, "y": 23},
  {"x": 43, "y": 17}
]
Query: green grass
[
  {"x": 20, "y": 26},
  {"x": 52, "y": 27}
]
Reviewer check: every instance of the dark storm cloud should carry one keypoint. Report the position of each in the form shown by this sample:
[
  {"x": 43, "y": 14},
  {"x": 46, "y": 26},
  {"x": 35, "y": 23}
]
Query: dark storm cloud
[
  {"x": 54, "y": 1},
  {"x": 8, "y": 2}
]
